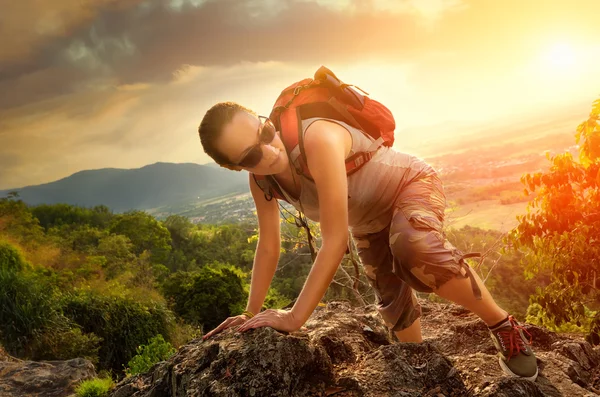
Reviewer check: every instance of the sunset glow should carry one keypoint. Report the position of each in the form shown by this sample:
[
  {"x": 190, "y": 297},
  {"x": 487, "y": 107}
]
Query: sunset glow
[
  {"x": 561, "y": 57},
  {"x": 125, "y": 84}
]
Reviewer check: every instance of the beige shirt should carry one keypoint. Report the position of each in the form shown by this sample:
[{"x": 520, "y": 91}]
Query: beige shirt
[{"x": 372, "y": 190}]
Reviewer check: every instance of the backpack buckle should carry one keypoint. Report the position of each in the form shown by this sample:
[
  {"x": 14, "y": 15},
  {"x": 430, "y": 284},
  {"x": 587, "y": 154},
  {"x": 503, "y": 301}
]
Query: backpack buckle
[
  {"x": 298, "y": 89},
  {"x": 366, "y": 156}
]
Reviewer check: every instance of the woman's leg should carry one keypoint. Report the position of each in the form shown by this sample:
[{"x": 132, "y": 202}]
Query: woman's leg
[
  {"x": 425, "y": 259},
  {"x": 412, "y": 333},
  {"x": 459, "y": 290},
  {"x": 396, "y": 301}
]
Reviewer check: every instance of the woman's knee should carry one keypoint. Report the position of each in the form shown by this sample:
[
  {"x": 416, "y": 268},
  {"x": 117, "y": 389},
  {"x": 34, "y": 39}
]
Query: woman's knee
[{"x": 423, "y": 258}]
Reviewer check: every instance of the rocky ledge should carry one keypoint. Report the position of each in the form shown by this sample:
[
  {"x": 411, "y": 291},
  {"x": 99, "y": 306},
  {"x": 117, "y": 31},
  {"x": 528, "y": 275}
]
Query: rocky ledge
[{"x": 346, "y": 352}]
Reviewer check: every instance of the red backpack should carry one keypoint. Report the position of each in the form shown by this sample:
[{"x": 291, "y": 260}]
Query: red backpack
[{"x": 326, "y": 96}]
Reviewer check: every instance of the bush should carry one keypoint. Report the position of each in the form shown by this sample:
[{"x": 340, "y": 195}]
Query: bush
[
  {"x": 65, "y": 344},
  {"x": 95, "y": 387},
  {"x": 123, "y": 323},
  {"x": 10, "y": 258},
  {"x": 538, "y": 316},
  {"x": 156, "y": 351},
  {"x": 27, "y": 308},
  {"x": 207, "y": 296}
]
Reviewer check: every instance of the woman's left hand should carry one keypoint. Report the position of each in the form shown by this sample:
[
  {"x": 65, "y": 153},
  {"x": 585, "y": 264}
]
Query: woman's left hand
[{"x": 281, "y": 320}]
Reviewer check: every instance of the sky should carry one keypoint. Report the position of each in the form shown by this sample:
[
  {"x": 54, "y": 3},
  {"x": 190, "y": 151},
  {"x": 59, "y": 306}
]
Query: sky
[{"x": 88, "y": 84}]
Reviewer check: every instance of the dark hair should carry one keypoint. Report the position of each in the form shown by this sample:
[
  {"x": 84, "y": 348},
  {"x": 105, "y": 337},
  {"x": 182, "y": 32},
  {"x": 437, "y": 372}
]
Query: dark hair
[{"x": 212, "y": 124}]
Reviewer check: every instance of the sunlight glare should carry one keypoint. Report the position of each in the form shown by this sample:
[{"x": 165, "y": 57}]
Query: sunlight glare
[{"x": 560, "y": 57}]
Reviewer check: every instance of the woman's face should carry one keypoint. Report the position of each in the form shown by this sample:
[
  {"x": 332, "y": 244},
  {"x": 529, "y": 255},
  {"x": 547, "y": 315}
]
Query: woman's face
[{"x": 241, "y": 135}]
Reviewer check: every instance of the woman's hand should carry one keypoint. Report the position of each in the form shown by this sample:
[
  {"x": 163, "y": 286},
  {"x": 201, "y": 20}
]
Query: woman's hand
[
  {"x": 281, "y": 320},
  {"x": 230, "y": 322}
]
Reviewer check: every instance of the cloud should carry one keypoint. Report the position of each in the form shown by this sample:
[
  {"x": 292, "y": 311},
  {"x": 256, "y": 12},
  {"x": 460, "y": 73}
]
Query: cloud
[
  {"x": 99, "y": 43},
  {"x": 35, "y": 29},
  {"x": 78, "y": 45},
  {"x": 127, "y": 126},
  {"x": 95, "y": 83}
]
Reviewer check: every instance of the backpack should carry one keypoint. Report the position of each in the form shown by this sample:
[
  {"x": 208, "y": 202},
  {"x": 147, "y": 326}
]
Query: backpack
[{"x": 326, "y": 96}]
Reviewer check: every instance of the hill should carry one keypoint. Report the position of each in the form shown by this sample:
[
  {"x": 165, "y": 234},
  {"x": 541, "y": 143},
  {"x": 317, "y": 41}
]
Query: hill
[{"x": 148, "y": 187}]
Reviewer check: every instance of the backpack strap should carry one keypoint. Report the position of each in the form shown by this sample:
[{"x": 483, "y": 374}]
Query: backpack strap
[
  {"x": 269, "y": 187},
  {"x": 353, "y": 163},
  {"x": 317, "y": 97}
]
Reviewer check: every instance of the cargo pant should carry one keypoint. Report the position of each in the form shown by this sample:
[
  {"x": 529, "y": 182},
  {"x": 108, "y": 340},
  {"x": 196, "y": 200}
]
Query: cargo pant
[{"x": 411, "y": 253}]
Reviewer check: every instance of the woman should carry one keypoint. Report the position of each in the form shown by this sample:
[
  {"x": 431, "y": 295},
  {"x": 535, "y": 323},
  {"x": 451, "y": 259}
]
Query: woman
[{"x": 394, "y": 207}]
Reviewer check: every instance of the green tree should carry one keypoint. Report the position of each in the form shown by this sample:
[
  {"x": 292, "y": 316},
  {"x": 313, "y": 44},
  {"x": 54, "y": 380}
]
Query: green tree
[
  {"x": 207, "y": 296},
  {"x": 116, "y": 249},
  {"x": 561, "y": 230},
  {"x": 19, "y": 222},
  {"x": 67, "y": 214},
  {"x": 145, "y": 233}
]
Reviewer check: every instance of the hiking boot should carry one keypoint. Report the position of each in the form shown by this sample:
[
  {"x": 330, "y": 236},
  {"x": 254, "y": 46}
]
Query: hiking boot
[{"x": 515, "y": 355}]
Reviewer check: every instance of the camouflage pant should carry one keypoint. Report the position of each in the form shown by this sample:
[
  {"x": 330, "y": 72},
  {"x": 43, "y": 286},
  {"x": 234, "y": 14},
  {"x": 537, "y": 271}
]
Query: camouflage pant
[{"x": 411, "y": 253}]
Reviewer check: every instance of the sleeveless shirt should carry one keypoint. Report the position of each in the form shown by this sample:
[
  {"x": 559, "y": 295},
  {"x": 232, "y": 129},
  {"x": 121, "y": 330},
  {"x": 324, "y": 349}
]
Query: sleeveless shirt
[{"x": 372, "y": 190}]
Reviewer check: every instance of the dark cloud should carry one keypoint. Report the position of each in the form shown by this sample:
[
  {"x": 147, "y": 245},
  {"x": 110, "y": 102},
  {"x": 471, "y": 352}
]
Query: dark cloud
[
  {"x": 230, "y": 31},
  {"x": 147, "y": 42},
  {"x": 51, "y": 48}
]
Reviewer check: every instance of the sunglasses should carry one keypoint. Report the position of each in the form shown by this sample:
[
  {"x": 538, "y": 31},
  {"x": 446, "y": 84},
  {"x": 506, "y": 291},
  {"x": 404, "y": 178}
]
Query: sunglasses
[{"x": 266, "y": 134}]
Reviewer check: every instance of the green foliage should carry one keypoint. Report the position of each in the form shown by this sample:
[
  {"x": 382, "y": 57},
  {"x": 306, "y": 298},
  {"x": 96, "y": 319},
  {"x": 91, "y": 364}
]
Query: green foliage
[
  {"x": 122, "y": 323},
  {"x": 91, "y": 291},
  {"x": 147, "y": 355},
  {"x": 117, "y": 251},
  {"x": 18, "y": 221},
  {"x": 26, "y": 307},
  {"x": 75, "y": 237},
  {"x": 275, "y": 300},
  {"x": 560, "y": 232},
  {"x": 538, "y": 316},
  {"x": 197, "y": 245},
  {"x": 61, "y": 343},
  {"x": 66, "y": 214},
  {"x": 98, "y": 387},
  {"x": 145, "y": 233},
  {"x": 11, "y": 260},
  {"x": 207, "y": 296}
]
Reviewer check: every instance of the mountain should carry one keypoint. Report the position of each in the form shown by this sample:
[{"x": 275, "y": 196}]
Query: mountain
[{"x": 152, "y": 186}]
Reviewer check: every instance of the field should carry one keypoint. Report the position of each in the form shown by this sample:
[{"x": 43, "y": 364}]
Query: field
[{"x": 485, "y": 214}]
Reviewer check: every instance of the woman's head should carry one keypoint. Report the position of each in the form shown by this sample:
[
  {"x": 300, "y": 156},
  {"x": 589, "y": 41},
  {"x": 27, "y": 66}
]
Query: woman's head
[{"x": 237, "y": 138}]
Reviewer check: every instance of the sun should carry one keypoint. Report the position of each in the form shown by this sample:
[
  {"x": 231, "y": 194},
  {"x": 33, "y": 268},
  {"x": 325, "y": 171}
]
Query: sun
[{"x": 560, "y": 57}]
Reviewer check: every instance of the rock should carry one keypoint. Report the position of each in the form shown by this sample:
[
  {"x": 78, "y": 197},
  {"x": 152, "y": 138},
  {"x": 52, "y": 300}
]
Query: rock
[
  {"x": 43, "y": 378},
  {"x": 511, "y": 387},
  {"x": 342, "y": 351}
]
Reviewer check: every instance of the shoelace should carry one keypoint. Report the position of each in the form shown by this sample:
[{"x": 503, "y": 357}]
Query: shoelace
[{"x": 513, "y": 339}]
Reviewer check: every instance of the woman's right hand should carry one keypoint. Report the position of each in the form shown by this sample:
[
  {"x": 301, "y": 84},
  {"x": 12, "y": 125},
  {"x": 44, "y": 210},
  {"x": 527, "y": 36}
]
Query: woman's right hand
[{"x": 230, "y": 322}]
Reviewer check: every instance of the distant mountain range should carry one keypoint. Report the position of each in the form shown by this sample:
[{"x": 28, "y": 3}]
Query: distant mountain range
[{"x": 152, "y": 186}]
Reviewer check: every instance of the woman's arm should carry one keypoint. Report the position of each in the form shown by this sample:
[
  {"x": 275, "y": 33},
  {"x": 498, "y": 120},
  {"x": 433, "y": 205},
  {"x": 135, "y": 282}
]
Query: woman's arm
[
  {"x": 326, "y": 145},
  {"x": 267, "y": 249}
]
